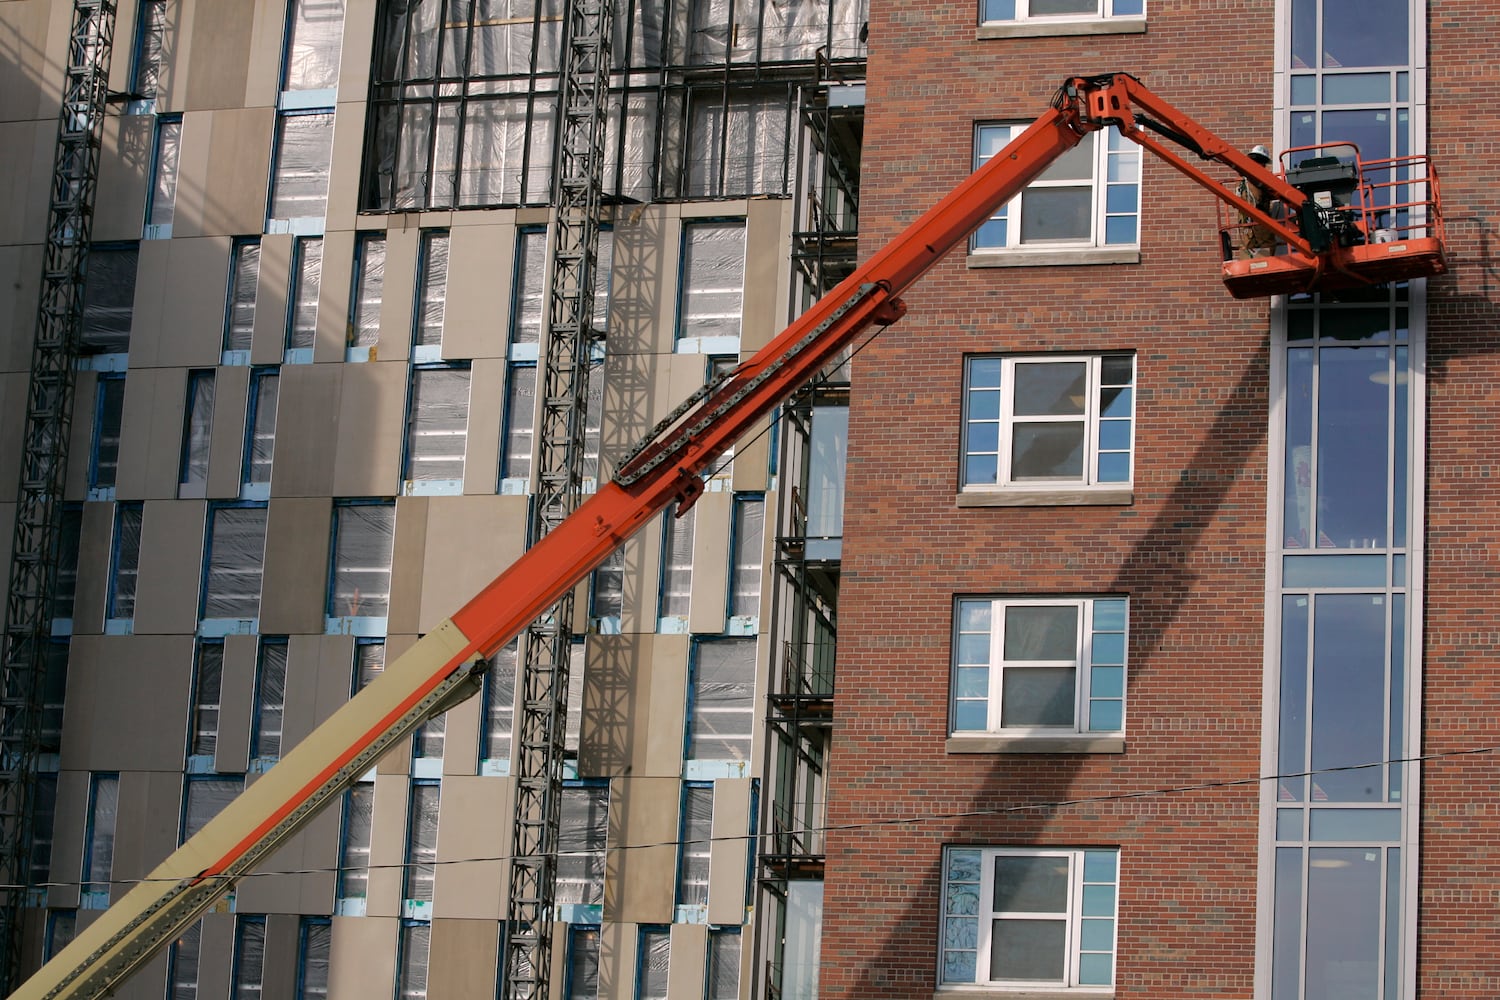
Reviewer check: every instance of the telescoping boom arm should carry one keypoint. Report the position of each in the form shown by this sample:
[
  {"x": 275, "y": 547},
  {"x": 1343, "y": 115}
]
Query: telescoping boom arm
[{"x": 446, "y": 665}]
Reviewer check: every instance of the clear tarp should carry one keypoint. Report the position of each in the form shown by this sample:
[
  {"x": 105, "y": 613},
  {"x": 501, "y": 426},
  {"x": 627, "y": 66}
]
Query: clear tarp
[
  {"x": 127, "y": 559},
  {"x": 65, "y": 580},
  {"x": 520, "y": 419},
  {"x": 656, "y": 950},
  {"x": 309, "y": 280},
  {"x": 416, "y": 945},
  {"x": 507, "y": 154},
  {"x": 530, "y": 286},
  {"x": 749, "y": 537},
  {"x": 438, "y": 424},
  {"x": 315, "y": 37},
  {"x": 244, "y": 279},
  {"x": 369, "y": 284},
  {"x": 316, "y": 951},
  {"x": 713, "y": 279},
  {"x": 582, "y": 833},
  {"x": 500, "y": 704},
  {"x": 723, "y": 701},
  {"x": 573, "y": 727},
  {"x": 369, "y": 663},
  {"x": 697, "y": 832},
  {"x": 184, "y": 964},
  {"x": 583, "y": 964},
  {"x": 206, "y": 796},
  {"x": 433, "y": 290},
  {"x": 265, "y": 393},
  {"x": 354, "y": 854},
  {"x": 43, "y": 825},
  {"x": 200, "y": 429},
  {"x": 249, "y": 957},
  {"x": 304, "y": 150},
  {"x": 54, "y": 690},
  {"x": 237, "y": 550},
  {"x": 270, "y": 700},
  {"x": 421, "y": 842},
  {"x": 208, "y": 684},
  {"x": 739, "y": 151},
  {"x": 111, "y": 408},
  {"x": 723, "y": 965},
  {"x": 362, "y": 559},
  {"x": 108, "y": 299},
  {"x": 676, "y": 562},
  {"x": 428, "y": 739},
  {"x": 593, "y": 420},
  {"x": 609, "y": 586},
  {"x": 164, "y": 174}
]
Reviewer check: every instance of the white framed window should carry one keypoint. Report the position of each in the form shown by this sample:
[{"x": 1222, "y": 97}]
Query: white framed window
[
  {"x": 1029, "y": 917},
  {"x": 1089, "y": 198},
  {"x": 1048, "y": 422},
  {"x": 1039, "y": 666},
  {"x": 1059, "y": 10}
]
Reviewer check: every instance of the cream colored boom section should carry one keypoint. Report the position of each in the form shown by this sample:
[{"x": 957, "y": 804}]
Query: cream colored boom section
[{"x": 177, "y": 892}]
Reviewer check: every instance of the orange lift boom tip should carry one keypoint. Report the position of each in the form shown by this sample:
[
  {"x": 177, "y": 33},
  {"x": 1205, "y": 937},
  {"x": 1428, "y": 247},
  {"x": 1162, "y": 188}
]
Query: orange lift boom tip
[{"x": 1333, "y": 227}]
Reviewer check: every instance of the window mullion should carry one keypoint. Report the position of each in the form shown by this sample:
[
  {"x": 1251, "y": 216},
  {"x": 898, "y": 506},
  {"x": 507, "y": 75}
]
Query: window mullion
[
  {"x": 997, "y": 663},
  {"x": 1072, "y": 936}
]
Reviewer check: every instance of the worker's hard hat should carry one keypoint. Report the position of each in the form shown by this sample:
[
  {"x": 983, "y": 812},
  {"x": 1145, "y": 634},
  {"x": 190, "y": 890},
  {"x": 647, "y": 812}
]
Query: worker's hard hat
[{"x": 1260, "y": 153}]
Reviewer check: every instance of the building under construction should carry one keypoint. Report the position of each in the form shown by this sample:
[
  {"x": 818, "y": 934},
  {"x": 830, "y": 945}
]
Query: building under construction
[{"x": 1142, "y": 649}]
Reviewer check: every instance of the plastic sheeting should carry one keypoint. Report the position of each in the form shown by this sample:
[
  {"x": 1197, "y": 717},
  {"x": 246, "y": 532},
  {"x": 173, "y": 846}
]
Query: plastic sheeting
[
  {"x": 266, "y": 392},
  {"x": 270, "y": 701},
  {"x": 364, "y": 330},
  {"x": 723, "y": 701},
  {"x": 127, "y": 559},
  {"x": 713, "y": 279},
  {"x": 249, "y": 957},
  {"x": 315, "y": 38},
  {"x": 500, "y": 704},
  {"x": 200, "y": 430},
  {"x": 749, "y": 539},
  {"x": 65, "y": 582},
  {"x": 184, "y": 964},
  {"x": 362, "y": 559},
  {"x": 107, "y": 417},
  {"x": 507, "y": 159},
  {"x": 429, "y": 737},
  {"x": 676, "y": 562},
  {"x": 504, "y": 35},
  {"x": 438, "y": 424},
  {"x": 206, "y": 796},
  {"x": 697, "y": 832},
  {"x": 316, "y": 952},
  {"x": 531, "y": 286},
  {"x": 739, "y": 151},
  {"x": 244, "y": 279},
  {"x": 304, "y": 150},
  {"x": 582, "y": 834},
  {"x": 108, "y": 299},
  {"x": 583, "y": 964},
  {"x": 609, "y": 587},
  {"x": 656, "y": 952},
  {"x": 369, "y": 663},
  {"x": 309, "y": 280},
  {"x": 433, "y": 289},
  {"x": 54, "y": 690},
  {"x": 723, "y": 965},
  {"x": 520, "y": 421},
  {"x": 151, "y": 31},
  {"x": 416, "y": 947},
  {"x": 421, "y": 842},
  {"x": 237, "y": 548},
  {"x": 354, "y": 853},
  {"x": 164, "y": 172},
  {"x": 740, "y": 31},
  {"x": 208, "y": 685}
]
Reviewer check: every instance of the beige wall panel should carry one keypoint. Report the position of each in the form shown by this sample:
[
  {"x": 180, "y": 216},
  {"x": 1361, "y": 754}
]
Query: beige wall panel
[
  {"x": 69, "y": 819},
  {"x": 121, "y": 64},
  {"x": 641, "y": 579},
  {"x": 13, "y": 392},
  {"x": 194, "y": 176},
  {"x": 371, "y": 419},
  {"x": 343, "y": 169},
  {"x": 239, "y": 166},
  {"x": 633, "y": 705},
  {"x": 192, "y": 308},
  {"x": 407, "y": 559},
  {"x": 123, "y": 677},
  {"x": 461, "y": 738},
  {"x": 388, "y": 845},
  {"x": 272, "y": 296},
  {"x": 688, "y": 971},
  {"x": 474, "y": 821},
  {"x": 127, "y": 147},
  {"x": 767, "y": 259},
  {"x": 226, "y": 449},
  {"x": 147, "y": 826},
  {"x": 359, "y": 39},
  {"x": 151, "y": 433},
  {"x": 236, "y": 704},
  {"x": 469, "y": 541},
  {"x": 619, "y": 954},
  {"x": 728, "y": 858},
  {"x": 20, "y": 285},
  {"x": 402, "y": 243},
  {"x": 397, "y": 760},
  {"x": 486, "y": 412},
  {"x": 481, "y": 263},
  {"x": 152, "y": 281},
  {"x": 263, "y": 71},
  {"x": 80, "y": 438},
  {"x": 313, "y": 850},
  {"x": 295, "y": 585},
  {"x": 464, "y": 961},
  {"x": 363, "y": 964},
  {"x": 171, "y": 567},
  {"x": 308, "y": 401},
  {"x": 25, "y": 73},
  {"x": 640, "y": 880},
  {"x": 645, "y": 262},
  {"x": 752, "y": 459},
  {"x": 25, "y": 170},
  {"x": 94, "y": 546},
  {"x": 149, "y": 982},
  {"x": 333, "y": 296},
  {"x": 216, "y": 955},
  {"x": 281, "y": 970},
  {"x": 711, "y": 532},
  {"x": 320, "y": 675},
  {"x": 219, "y": 59}
]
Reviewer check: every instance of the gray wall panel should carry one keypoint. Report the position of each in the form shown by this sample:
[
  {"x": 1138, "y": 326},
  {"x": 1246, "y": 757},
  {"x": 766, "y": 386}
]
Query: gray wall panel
[
  {"x": 127, "y": 677},
  {"x": 640, "y": 882},
  {"x": 237, "y": 704},
  {"x": 171, "y": 566},
  {"x": 296, "y": 576},
  {"x": 226, "y": 451},
  {"x": 151, "y": 433},
  {"x": 308, "y": 404}
]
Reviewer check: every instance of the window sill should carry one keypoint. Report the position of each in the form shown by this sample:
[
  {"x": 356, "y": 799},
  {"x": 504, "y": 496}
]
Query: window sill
[
  {"x": 1053, "y": 258},
  {"x": 1035, "y": 29},
  {"x": 993, "y": 743},
  {"x": 1047, "y": 498}
]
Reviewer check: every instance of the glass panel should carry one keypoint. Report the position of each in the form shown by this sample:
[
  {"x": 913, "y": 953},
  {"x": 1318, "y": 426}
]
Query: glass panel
[
  {"x": 1289, "y": 824},
  {"x": 1030, "y": 884},
  {"x": 1344, "y": 919},
  {"x": 1333, "y": 571},
  {"x": 1366, "y": 33},
  {"x": 1292, "y": 728},
  {"x": 1353, "y": 425},
  {"x": 1098, "y": 901},
  {"x": 1349, "y": 684},
  {"x": 1304, "y": 90},
  {"x": 1057, "y": 215},
  {"x": 1356, "y": 824},
  {"x": 1107, "y": 682},
  {"x": 1037, "y": 696},
  {"x": 1030, "y": 950},
  {"x": 1298, "y": 511},
  {"x": 1286, "y": 942},
  {"x": 1041, "y": 632},
  {"x": 1356, "y": 88},
  {"x": 1047, "y": 451}
]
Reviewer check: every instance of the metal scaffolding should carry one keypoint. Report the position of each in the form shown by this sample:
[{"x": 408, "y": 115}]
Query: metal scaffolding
[
  {"x": 571, "y": 342},
  {"x": 44, "y": 456}
]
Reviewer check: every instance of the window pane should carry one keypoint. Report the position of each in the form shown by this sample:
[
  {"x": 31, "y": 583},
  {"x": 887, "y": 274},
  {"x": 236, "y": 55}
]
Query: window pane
[
  {"x": 207, "y": 684},
  {"x": 151, "y": 26},
  {"x": 315, "y": 37},
  {"x": 1040, "y": 632},
  {"x": 364, "y": 325},
  {"x": 111, "y": 407},
  {"x": 1030, "y": 884},
  {"x": 354, "y": 855},
  {"x": 1031, "y": 950},
  {"x": 520, "y": 417},
  {"x": 1037, "y": 696},
  {"x": 1054, "y": 388},
  {"x": 236, "y": 553},
  {"x": 713, "y": 279},
  {"x": 249, "y": 958},
  {"x": 164, "y": 183},
  {"x": 183, "y": 982},
  {"x": 421, "y": 842},
  {"x": 723, "y": 965},
  {"x": 127, "y": 559},
  {"x": 582, "y": 833},
  {"x": 1056, "y": 215},
  {"x": 266, "y": 391},
  {"x": 697, "y": 829},
  {"x": 1047, "y": 451},
  {"x": 270, "y": 700},
  {"x": 437, "y": 428},
  {"x": 416, "y": 939},
  {"x": 433, "y": 291},
  {"x": 362, "y": 560},
  {"x": 244, "y": 279},
  {"x": 199, "y": 432},
  {"x": 304, "y": 331},
  {"x": 531, "y": 283},
  {"x": 1044, "y": 8},
  {"x": 749, "y": 536},
  {"x": 316, "y": 950},
  {"x": 205, "y": 798},
  {"x": 304, "y": 146},
  {"x": 677, "y": 562},
  {"x": 723, "y": 701}
]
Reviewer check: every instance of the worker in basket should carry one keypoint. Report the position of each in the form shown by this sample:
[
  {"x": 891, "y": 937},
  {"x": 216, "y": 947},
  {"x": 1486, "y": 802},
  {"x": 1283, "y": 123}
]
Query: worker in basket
[{"x": 1255, "y": 238}]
